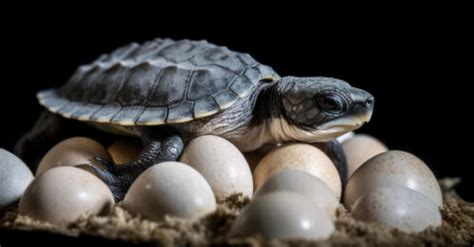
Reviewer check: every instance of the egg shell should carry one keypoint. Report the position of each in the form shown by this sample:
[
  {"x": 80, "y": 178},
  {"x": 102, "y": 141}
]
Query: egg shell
[
  {"x": 15, "y": 176},
  {"x": 359, "y": 149},
  {"x": 221, "y": 163},
  {"x": 393, "y": 168},
  {"x": 62, "y": 194},
  {"x": 302, "y": 157},
  {"x": 399, "y": 207},
  {"x": 72, "y": 151},
  {"x": 285, "y": 215},
  {"x": 170, "y": 188},
  {"x": 124, "y": 151},
  {"x": 305, "y": 184}
]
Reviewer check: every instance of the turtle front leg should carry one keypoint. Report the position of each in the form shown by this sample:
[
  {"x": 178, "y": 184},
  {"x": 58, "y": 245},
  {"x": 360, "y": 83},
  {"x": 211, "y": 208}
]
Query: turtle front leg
[
  {"x": 160, "y": 144},
  {"x": 333, "y": 149}
]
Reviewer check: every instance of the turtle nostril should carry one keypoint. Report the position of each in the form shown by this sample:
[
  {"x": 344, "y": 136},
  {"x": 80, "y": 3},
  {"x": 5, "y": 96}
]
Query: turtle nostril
[{"x": 369, "y": 102}]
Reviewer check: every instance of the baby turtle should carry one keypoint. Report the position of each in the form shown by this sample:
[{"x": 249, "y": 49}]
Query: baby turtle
[{"x": 167, "y": 92}]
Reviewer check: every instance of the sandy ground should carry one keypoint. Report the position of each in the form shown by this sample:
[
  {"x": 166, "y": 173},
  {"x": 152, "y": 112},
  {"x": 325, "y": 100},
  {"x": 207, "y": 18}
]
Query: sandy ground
[{"x": 457, "y": 227}]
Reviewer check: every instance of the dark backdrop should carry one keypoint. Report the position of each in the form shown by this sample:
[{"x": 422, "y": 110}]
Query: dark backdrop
[{"x": 416, "y": 64}]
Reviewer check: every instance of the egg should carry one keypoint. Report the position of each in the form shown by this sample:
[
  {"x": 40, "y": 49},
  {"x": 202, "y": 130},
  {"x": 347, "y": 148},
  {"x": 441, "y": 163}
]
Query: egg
[
  {"x": 359, "y": 149},
  {"x": 170, "y": 188},
  {"x": 284, "y": 215},
  {"x": 393, "y": 168},
  {"x": 399, "y": 207},
  {"x": 305, "y": 184},
  {"x": 302, "y": 157},
  {"x": 71, "y": 152},
  {"x": 62, "y": 194},
  {"x": 15, "y": 176},
  {"x": 124, "y": 151},
  {"x": 221, "y": 163}
]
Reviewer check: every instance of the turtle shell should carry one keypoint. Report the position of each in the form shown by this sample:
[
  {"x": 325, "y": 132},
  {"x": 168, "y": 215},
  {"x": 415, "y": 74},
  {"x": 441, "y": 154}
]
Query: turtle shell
[{"x": 158, "y": 82}]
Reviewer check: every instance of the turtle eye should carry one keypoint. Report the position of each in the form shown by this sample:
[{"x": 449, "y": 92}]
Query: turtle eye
[{"x": 332, "y": 103}]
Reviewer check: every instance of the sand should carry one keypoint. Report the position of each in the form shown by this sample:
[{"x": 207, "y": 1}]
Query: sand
[{"x": 457, "y": 227}]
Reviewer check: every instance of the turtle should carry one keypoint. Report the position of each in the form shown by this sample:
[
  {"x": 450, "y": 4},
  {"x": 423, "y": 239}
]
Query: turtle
[{"x": 167, "y": 92}]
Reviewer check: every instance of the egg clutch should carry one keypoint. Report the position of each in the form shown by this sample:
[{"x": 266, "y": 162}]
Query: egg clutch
[{"x": 295, "y": 189}]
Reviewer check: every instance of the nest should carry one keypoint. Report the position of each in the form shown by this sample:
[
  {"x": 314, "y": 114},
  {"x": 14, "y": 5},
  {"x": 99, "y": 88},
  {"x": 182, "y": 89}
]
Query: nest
[{"x": 457, "y": 227}]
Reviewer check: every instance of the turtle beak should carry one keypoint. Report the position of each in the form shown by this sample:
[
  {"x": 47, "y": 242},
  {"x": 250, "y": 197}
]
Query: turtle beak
[
  {"x": 363, "y": 109},
  {"x": 348, "y": 122}
]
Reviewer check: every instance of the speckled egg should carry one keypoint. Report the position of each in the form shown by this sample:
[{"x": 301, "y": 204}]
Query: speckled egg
[
  {"x": 221, "y": 163},
  {"x": 124, "y": 151},
  {"x": 302, "y": 157},
  {"x": 15, "y": 176},
  {"x": 170, "y": 188},
  {"x": 359, "y": 149},
  {"x": 71, "y": 152},
  {"x": 62, "y": 194},
  {"x": 305, "y": 184},
  {"x": 393, "y": 168},
  {"x": 284, "y": 215},
  {"x": 399, "y": 207}
]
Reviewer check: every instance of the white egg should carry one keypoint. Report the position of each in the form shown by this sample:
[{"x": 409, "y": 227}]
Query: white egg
[
  {"x": 305, "y": 184},
  {"x": 62, "y": 194},
  {"x": 399, "y": 207},
  {"x": 71, "y": 152},
  {"x": 170, "y": 188},
  {"x": 284, "y": 215},
  {"x": 393, "y": 168},
  {"x": 15, "y": 176},
  {"x": 359, "y": 149},
  {"x": 302, "y": 157},
  {"x": 221, "y": 163}
]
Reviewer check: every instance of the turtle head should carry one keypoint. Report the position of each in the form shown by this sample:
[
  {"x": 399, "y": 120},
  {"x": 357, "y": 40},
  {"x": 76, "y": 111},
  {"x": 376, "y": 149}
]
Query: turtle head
[{"x": 321, "y": 108}]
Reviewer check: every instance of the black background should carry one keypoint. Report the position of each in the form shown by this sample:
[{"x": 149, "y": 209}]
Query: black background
[{"x": 416, "y": 62}]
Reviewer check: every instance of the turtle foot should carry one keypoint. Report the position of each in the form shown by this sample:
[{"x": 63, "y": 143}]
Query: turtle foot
[{"x": 118, "y": 182}]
